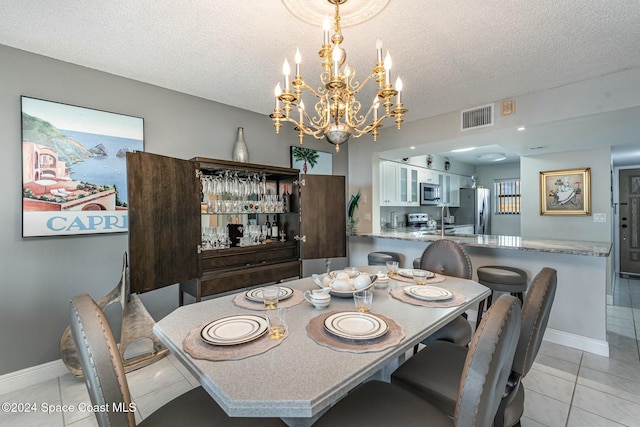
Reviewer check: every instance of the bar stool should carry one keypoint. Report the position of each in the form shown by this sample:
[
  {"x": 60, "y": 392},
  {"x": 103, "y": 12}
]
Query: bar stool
[
  {"x": 381, "y": 258},
  {"x": 502, "y": 279}
]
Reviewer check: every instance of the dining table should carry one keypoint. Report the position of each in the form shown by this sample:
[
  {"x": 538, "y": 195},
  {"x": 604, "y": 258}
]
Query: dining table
[{"x": 300, "y": 376}]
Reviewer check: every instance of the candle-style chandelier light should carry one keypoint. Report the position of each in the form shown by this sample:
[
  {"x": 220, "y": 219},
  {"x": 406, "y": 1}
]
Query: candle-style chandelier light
[{"x": 338, "y": 114}]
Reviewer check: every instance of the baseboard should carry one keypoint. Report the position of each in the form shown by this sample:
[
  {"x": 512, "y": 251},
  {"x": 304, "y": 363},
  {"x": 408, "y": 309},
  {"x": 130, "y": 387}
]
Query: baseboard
[
  {"x": 601, "y": 348},
  {"x": 23, "y": 378}
]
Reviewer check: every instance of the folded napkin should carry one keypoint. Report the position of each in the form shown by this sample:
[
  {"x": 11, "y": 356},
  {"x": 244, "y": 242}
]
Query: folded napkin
[
  {"x": 317, "y": 332},
  {"x": 399, "y": 294}
]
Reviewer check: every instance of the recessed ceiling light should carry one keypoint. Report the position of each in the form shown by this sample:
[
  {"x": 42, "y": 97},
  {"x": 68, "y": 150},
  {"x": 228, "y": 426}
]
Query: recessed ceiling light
[
  {"x": 492, "y": 157},
  {"x": 412, "y": 147},
  {"x": 462, "y": 150},
  {"x": 521, "y": 128}
]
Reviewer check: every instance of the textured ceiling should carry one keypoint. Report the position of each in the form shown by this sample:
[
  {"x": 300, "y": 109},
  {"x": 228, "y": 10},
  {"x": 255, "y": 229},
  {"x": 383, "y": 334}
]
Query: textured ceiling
[{"x": 451, "y": 54}]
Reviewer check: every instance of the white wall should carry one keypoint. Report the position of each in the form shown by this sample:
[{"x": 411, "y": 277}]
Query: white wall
[{"x": 41, "y": 275}]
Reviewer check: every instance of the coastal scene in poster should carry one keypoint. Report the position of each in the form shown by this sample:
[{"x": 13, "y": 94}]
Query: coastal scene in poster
[{"x": 74, "y": 178}]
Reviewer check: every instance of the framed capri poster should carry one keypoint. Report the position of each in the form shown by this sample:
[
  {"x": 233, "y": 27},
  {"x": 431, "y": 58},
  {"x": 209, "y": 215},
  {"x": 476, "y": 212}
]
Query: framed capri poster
[{"x": 74, "y": 168}]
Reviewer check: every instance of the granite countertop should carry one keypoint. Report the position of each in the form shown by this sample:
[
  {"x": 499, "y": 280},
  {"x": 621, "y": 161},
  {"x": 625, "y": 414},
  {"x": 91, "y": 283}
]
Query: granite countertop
[{"x": 571, "y": 247}]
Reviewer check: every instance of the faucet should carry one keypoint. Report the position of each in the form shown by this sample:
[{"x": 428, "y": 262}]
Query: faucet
[{"x": 444, "y": 207}]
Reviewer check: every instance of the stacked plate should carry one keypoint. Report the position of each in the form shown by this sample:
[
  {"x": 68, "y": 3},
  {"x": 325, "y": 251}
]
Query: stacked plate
[
  {"x": 356, "y": 326},
  {"x": 234, "y": 330},
  {"x": 428, "y": 293},
  {"x": 255, "y": 295},
  {"x": 408, "y": 273}
]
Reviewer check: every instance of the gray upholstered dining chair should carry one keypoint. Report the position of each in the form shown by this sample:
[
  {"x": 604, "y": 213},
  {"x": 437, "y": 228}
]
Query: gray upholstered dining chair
[
  {"x": 432, "y": 373},
  {"x": 480, "y": 385},
  {"x": 448, "y": 258},
  {"x": 107, "y": 383}
]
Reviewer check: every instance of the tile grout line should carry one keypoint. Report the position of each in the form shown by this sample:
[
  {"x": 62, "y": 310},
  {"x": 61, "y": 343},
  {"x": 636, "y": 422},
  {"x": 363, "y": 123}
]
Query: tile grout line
[{"x": 573, "y": 393}]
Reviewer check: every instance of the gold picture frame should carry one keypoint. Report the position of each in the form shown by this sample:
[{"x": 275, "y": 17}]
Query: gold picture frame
[{"x": 565, "y": 192}]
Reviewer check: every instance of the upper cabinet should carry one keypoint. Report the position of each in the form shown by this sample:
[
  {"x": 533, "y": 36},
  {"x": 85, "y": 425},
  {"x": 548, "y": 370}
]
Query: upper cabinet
[
  {"x": 389, "y": 173},
  {"x": 400, "y": 184}
]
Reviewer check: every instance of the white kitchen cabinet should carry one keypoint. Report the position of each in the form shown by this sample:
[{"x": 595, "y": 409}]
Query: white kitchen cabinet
[
  {"x": 454, "y": 190},
  {"x": 399, "y": 184},
  {"x": 427, "y": 175},
  {"x": 408, "y": 186},
  {"x": 389, "y": 174},
  {"x": 449, "y": 189}
]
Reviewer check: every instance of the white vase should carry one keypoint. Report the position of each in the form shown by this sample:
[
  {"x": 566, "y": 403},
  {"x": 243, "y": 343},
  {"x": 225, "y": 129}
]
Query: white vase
[{"x": 240, "y": 151}]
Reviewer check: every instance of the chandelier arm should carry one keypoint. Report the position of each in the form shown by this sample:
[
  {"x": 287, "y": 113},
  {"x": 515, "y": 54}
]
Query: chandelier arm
[
  {"x": 314, "y": 132},
  {"x": 311, "y": 90},
  {"x": 357, "y": 86}
]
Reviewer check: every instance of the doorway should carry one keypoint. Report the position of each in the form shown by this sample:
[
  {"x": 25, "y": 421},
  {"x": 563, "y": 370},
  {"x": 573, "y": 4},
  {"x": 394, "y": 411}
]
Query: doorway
[{"x": 629, "y": 221}]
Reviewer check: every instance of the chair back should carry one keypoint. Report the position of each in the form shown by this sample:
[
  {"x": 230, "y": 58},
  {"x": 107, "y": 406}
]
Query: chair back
[
  {"x": 447, "y": 257},
  {"x": 101, "y": 362},
  {"x": 535, "y": 316},
  {"x": 488, "y": 364}
]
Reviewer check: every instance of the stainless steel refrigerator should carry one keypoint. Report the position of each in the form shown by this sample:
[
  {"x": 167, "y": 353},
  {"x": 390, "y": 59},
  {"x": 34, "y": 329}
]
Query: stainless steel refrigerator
[{"x": 475, "y": 208}]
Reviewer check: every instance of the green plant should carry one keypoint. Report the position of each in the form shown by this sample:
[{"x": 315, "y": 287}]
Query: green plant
[{"x": 353, "y": 204}]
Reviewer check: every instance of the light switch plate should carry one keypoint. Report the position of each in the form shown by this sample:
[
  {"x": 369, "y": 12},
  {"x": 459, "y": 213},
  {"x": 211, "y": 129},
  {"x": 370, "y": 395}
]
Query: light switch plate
[{"x": 599, "y": 217}]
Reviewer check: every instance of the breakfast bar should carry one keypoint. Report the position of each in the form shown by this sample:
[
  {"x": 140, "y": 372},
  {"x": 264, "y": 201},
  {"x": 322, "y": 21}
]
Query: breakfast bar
[{"x": 578, "y": 318}]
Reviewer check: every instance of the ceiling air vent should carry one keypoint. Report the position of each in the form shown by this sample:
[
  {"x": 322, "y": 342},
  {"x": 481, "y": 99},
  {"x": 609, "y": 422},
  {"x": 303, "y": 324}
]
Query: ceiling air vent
[{"x": 477, "y": 117}]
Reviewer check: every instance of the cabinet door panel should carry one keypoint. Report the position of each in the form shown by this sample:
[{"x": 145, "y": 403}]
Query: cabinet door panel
[
  {"x": 323, "y": 215},
  {"x": 164, "y": 221},
  {"x": 389, "y": 184}
]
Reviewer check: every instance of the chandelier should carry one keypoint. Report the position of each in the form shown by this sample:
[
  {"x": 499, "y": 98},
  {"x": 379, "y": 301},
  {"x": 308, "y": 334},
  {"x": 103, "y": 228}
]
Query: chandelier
[{"x": 337, "y": 115}]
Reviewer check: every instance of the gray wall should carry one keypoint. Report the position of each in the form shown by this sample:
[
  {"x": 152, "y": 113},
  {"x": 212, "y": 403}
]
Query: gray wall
[
  {"x": 40, "y": 275},
  {"x": 571, "y": 227}
]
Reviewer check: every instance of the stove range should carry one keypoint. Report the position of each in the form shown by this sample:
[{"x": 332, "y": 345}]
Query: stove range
[{"x": 417, "y": 219}]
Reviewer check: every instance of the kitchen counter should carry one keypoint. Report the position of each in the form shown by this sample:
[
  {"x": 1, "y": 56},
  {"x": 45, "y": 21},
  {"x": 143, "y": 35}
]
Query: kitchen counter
[
  {"x": 579, "y": 315},
  {"x": 597, "y": 249}
]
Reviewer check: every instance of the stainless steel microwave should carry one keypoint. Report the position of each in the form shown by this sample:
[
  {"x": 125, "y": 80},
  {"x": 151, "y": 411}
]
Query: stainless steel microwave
[{"x": 429, "y": 194}]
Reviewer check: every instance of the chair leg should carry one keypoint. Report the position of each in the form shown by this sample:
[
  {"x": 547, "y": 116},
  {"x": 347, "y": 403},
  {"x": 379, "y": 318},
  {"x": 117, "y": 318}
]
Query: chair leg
[
  {"x": 479, "y": 318},
  {"x": 520, "y": 297}
]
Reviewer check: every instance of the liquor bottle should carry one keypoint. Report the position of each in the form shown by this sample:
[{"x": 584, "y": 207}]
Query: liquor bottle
[
  {"x": 268, "y": 224},
  {"x": 286, "y": 207},
  {"x": 274, "y": 227}
]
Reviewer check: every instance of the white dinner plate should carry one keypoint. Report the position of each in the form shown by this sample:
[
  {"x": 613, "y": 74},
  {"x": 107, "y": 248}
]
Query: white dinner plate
[
  {"x": 408, "y": 273},
  {"x": 356, "y": 326},
  {"x": 234, "y": 330},
  {"x": 255, "y": 295},
  {"x": 428, "y": 293}
]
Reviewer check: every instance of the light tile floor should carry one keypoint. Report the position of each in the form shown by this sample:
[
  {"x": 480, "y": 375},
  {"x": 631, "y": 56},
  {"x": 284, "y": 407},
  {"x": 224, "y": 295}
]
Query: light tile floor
[{"x": 565, "y": 387}]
